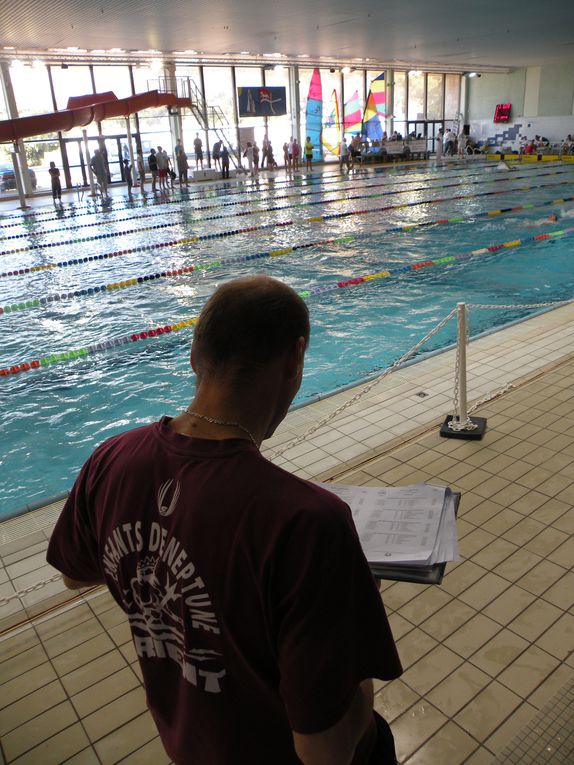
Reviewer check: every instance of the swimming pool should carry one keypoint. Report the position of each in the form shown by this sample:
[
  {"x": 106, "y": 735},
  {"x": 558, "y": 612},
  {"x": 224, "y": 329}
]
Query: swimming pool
[{"x": 314, "y": 233}]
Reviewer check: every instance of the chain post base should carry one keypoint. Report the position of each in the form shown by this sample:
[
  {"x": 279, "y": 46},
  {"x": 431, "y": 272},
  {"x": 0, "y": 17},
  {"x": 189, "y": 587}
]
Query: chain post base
[{"x": 474, "y": 434}]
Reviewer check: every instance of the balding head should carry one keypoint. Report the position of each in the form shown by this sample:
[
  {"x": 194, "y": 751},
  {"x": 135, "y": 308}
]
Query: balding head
[{"x": 247, "y": 323}]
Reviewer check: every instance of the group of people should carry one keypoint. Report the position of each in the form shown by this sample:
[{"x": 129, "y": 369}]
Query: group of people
[
  {"x": 449, "y": 144},
  {"x": 292, "y": 152}
]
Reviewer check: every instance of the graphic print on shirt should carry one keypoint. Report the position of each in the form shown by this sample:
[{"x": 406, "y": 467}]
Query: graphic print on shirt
[
  {"x": 166, "y": 510},
  {"x": 170, "y": 612}
]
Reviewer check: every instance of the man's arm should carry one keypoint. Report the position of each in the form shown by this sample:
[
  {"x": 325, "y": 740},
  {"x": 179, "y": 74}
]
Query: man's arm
[
  {"x": 74, "y": 584},
  {"x": 336, "y": 745}
]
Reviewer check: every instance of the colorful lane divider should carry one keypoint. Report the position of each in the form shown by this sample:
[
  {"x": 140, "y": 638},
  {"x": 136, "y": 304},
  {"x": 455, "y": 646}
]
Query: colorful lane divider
[
  {"x": 235, "y": 232},
  {"x": 71, "y": 242},
  {"x": 219, "y": 205},
  {"x": 175, "y": 271},
  {"x": 245, "y": 191},
  {"x": 169, "y": 273},
  {"x": 258, "y": 211},
  {"x": 273, "y": 182},
  {"x": 105, "y": 345}
]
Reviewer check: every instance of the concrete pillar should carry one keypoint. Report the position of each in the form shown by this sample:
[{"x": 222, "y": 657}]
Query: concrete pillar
[{"x": 19, "y": 149}]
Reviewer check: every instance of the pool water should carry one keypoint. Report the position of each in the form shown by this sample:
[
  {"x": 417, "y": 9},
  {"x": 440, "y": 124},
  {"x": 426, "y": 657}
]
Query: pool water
[{"x": 52, "y": 417}]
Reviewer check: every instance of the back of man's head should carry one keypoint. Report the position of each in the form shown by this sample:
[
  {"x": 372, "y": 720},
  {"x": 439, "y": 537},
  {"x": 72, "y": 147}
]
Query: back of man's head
[{"x": 246, "y": 323}]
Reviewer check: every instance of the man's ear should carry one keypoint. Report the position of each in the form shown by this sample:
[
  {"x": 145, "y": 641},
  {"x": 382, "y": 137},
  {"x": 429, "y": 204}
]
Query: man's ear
[{"x": 297, "y": 358}]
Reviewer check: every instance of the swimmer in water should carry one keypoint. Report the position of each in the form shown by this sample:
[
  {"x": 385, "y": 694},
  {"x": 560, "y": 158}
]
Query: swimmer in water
[{"x": 552, "y": 218}]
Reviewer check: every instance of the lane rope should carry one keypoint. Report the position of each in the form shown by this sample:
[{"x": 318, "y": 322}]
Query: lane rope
[
  {"x": 105, "y": 345},
  {"x": 243, "y": 213},
  {"x": 267, "y": 226},
  {"x": 175, "y": 271}
]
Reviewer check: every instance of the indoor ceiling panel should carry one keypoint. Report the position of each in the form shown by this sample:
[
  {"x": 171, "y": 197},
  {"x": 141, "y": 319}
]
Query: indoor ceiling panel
[{"x": 482, "y": 33}]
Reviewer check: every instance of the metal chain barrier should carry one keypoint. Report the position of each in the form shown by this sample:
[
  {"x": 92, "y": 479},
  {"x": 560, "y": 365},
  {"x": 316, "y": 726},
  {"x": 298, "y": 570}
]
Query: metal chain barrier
[
  {"x": 32, "y": 588},
  {"x": 365, "y": 389}
]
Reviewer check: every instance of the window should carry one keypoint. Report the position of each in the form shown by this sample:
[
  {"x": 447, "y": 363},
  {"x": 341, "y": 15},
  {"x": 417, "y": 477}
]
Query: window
[
  {"x": 434, "y": 96},
  {"x": 451, "y": 96},
  {"x": 416, "y": 105}
]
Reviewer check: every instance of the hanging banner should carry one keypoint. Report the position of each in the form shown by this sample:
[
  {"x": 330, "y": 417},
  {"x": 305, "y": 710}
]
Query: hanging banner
[{"x": 261, "y": 101}]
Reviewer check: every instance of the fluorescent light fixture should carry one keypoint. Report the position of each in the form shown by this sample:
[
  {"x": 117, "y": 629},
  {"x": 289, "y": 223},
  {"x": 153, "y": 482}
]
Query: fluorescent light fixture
[
  {"x": 244, "y": 52},
  {"x": 9, "y": 47},
  {"x": 346, "y": 70},
  {"x": 472, "y": 74}
]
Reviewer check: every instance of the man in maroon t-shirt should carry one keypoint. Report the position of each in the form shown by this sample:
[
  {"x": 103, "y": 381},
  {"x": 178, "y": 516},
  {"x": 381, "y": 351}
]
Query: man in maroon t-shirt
[{"x": 256, "y": 620}]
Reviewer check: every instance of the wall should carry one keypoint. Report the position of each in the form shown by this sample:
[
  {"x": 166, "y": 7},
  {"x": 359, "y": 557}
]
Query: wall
[{"x": 542, "y": 101}]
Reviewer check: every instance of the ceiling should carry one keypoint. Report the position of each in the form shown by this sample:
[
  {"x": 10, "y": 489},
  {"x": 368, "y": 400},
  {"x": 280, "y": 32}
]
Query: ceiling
[{"x": 481, "y": 35}]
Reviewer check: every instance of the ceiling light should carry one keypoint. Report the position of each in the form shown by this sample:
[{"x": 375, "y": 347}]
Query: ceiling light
[
  {"x": 472, "y": 74},
  {"x": 346, "y": 70},
  {"x": 244, "y": 53}
]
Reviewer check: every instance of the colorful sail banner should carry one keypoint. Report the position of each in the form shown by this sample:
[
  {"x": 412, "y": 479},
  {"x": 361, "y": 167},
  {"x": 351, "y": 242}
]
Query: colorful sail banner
[
  {"x": 262, "y": 101},
  {"x": 332, "y": 127},
  {"x": 314, "y": 113},
  {"x": 375, "y": 109},
  {"x": 353, "y": 114}
]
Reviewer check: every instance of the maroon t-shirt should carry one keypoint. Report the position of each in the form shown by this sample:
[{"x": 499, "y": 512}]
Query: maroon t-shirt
[{"x": 252, "y": 607}]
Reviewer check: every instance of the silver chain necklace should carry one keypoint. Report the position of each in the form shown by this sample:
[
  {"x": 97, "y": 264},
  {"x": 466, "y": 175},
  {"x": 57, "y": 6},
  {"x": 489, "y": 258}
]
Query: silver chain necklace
[{"x": 214, "y": 421}]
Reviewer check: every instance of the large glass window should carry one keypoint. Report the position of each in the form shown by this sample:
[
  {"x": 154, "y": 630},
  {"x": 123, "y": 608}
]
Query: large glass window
[
  {"x": 451, "y": 96},
  {"x": 114, "y": 78},
  {"x": 154, "y": 123},
  {"x": 400, "y": 96},
  {"x": 70, "y": 81},
  {"x": 31, "y": 89},
  {"x": 434, "y": 96},
  {"x": 416, "y": 105},
  {"x": 279, "y": 128}
]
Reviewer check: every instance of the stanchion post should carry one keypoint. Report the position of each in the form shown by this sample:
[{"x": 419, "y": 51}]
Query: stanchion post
[
  {"x": 461, "y": 425},
  {"x": 461, "y": 350}
]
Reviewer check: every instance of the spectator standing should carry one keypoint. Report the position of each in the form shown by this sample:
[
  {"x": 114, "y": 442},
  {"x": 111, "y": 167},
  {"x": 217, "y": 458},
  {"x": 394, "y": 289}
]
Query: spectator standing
[
  {"x": 224, "y": 162},
  {"x": 128, "y": 176},
  {"x": 140, "y": 167},
  {"x": 252, "y": 607},
  {"x": 438, "y": 144},
  {"x": 55, "y": 181},
  {"x": 152, "y": 164},
  {"x": 308, "y": 148},
  {"x": 286, "y": 156},
  {"x": 182, "y": 166},
  {"x": 296, "y": 154},
  {"x": 248, "y": 154},
  {"x": 255, "y": 157},
  {"x": 162, "y": 168},
  {"x": 198, "y": 149},
  {"x": 216, "y": 155},
  {"x": 98, "y": 165}
]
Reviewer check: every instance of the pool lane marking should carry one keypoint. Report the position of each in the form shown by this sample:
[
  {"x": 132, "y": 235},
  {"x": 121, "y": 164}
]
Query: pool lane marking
[
  {"x": 219, "y": 205},
  {"x": 183, "y": 199},
  {"x": 267, "y": 226},
  {"x": 259, "y": 211},
  {"x": 288, "y": 182},
  {"x": 132, "y": 281},
  {"x": 89, "y": 350}
]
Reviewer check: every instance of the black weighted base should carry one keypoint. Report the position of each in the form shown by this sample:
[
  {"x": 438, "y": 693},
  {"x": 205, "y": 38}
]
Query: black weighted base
[{"x": 475, "y": 434}]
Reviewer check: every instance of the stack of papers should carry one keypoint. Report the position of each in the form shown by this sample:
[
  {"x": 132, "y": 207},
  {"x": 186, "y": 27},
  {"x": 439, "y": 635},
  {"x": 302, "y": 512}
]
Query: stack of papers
[{"x": 403, "y": 525}]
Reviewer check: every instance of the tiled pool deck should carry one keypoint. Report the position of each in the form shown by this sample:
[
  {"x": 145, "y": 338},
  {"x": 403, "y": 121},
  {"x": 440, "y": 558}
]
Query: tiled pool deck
[{"x": 488, "y": 653}]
